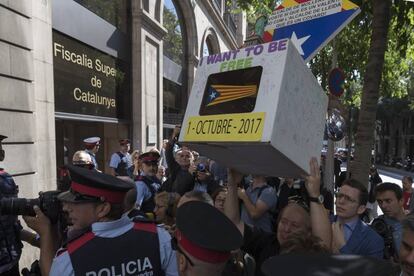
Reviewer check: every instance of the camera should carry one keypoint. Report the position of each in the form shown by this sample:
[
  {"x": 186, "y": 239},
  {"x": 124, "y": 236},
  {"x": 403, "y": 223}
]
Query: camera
[
  {"x": 385, "y": 231},
  {"x": 201, "y": 168},
  {"x": 47, "y": 202}
]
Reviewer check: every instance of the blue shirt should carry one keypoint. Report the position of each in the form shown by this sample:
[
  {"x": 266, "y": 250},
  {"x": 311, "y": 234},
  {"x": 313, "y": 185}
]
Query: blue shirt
[
  {"x": 349, "y": 227},
  {"x": 62, "y": 265},
  {"x": 268, "y": 196},
  {"x": 115, "y": 160}
]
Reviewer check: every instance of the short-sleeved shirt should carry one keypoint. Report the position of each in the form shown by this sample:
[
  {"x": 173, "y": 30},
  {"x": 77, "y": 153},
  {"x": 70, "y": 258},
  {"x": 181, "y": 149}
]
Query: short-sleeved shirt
[
  {"x": 268, "y": 196},
  {"x": 116, "y": 159},
  {"x": 62, "y": 265}
]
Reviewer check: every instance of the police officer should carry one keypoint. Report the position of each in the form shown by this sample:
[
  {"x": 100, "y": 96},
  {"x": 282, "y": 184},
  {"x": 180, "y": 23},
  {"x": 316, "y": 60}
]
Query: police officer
[
  {"x": 147, "y": 183},
  {"x": 121, "y": 160},
  {"x": 112, "y": 244},
  {"x": 10, "y": 244},
  {"x": 204, "y": 239},
  {"x": 92, "y": 147}
]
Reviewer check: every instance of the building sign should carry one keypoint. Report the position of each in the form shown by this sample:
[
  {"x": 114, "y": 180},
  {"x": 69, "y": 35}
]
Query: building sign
[{"x": 87, "y": 81}]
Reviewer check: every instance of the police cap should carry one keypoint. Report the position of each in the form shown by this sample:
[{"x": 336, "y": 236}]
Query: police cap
[
  {"x": 205, "y": 232},
  {"x": 325, "y": 265},
  {"x": 150, "y": 157},
  {"x": 2, "y": 137},
  {"x": 90, "y": 185},
  {"x": 92, "y": 141}
]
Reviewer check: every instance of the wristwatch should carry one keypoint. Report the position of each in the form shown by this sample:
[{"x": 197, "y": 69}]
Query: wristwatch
[{"x": 318, "y": 199}]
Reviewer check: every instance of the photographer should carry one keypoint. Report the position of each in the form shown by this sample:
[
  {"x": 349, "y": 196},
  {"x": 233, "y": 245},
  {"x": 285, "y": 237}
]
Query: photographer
[
  {"x": 10, "y": 244},
  {"x": 203, "y": 180},
  {"x": 388, "y": 226}
]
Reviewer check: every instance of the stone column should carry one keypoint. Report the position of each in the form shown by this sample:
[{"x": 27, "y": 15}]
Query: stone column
[
  {"x": 27, "y": 103},
  {"x": 147, "y": 75}
]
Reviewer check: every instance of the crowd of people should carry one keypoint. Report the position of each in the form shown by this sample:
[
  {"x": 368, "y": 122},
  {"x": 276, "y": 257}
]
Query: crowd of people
[{"x": 174, "y": 212}]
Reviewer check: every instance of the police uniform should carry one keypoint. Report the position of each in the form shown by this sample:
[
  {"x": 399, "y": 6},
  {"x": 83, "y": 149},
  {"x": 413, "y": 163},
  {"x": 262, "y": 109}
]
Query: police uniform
[
  {"x": 120, "y": 161},
  {"x": 147, "y": 186},
  {"x": 118, "y": 247},
  {"x": 10, "y": 244},
  {"x": 92, "y": 141},
  {"x": 205, "y": 233}
]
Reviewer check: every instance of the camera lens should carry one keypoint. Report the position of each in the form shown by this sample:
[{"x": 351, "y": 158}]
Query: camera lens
[
  {"x": 201, "y": 167},
  {"x": 18, "y": 206}
]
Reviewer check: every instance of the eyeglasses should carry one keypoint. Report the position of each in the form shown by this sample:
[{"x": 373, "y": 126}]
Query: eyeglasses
[
  {"x": 347, "y": 198},
  {"x": 174, "y": 246}
]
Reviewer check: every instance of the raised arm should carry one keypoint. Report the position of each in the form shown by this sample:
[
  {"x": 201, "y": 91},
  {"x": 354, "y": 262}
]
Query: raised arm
[
  {"x": 231, "y": 205},
  {"x": 321, "y": 226},
  {"x": 169, "y": 150}
]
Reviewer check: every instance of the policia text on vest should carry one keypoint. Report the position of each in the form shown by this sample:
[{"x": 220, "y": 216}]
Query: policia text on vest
[{"x": 135, "y": 267}]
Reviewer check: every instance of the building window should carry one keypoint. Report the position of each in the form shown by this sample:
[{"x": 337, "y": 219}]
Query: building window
[
  {"x": 210, "y": 43},
  {"x": 175, "y": 72},
  {"x": 173, "y": 41},
  {"x": 114, "y": 11}
]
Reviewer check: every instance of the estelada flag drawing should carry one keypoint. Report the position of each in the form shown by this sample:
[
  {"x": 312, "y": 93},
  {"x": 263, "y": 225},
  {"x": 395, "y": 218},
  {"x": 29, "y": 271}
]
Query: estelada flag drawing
[
  {"x": 226, "y": 93},
  {"x": 231, "y": 91},
  {"x": 310, "y": 24}
]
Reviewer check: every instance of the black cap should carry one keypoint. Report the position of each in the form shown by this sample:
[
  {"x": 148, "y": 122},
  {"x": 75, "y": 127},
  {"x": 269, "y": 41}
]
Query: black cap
[
  {"x": 205, "y": 232},
  {"x": 150, "y": 157},
  {"x": 325, "y": 265},
  {"x": 2, "y": 137},
  {"x": 90, "y": 185}
]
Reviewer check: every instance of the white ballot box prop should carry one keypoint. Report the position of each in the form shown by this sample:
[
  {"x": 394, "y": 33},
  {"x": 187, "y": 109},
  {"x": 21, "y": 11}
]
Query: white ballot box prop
[{"x": 259, "y": 110}]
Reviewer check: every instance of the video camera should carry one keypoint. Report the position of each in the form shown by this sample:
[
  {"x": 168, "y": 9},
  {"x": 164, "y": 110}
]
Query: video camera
[
  {"x": 47, "y": 202},
  {"x": 385, "y": 231}
]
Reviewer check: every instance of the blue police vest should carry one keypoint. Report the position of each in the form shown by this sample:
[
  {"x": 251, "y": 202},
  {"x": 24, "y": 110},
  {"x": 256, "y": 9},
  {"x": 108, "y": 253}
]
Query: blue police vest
[
  {"x": 149, "y": 204},
  {"x": 122, "y": 167},
  {"x": 136, "y": 252}
]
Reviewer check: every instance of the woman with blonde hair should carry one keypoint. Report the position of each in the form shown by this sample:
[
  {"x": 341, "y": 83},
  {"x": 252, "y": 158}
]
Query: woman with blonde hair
[
  {"x": 135, "y": 169},
  {"x": 166, "y": 208}
]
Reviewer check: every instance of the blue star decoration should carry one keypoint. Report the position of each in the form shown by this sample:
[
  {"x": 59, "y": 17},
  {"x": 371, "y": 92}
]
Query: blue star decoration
[{"x": 212, "y": 95}]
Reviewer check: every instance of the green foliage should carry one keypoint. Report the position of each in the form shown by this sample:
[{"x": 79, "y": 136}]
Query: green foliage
[
  {"x": 173, "y": 41},
  {"x": 256, "y": 8},
  {"x": 351, "y": 49}
]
